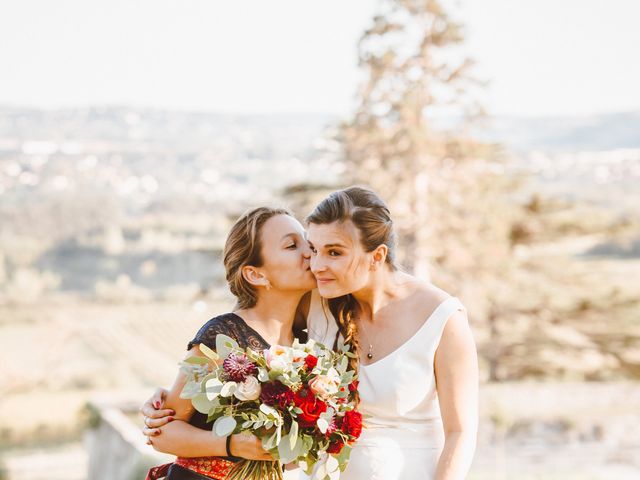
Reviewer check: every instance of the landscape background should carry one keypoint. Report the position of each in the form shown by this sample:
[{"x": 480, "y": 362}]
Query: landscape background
[{"x": 112, "y": 220}]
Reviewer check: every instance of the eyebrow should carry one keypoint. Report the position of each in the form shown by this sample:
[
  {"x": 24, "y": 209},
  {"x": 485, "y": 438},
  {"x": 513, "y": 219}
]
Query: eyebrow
[
  {"x": 292, "y": 234},
  {"x": 333, "y": 245}
]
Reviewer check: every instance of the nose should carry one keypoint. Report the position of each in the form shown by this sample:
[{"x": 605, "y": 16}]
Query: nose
[
  {"x": 316, "y": 264},
  {"x": 306, "y": 251}
]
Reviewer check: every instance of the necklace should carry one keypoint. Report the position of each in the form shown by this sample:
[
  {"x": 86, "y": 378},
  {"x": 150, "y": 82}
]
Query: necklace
[{"x": 370, "y": 352}]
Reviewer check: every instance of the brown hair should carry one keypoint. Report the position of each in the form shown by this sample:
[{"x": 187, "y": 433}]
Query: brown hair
[
  {"x": 371, "y": 216},
  {"x": 243, "y": 247}
]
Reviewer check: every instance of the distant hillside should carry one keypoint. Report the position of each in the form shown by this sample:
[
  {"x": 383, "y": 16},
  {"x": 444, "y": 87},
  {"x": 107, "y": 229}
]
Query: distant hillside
[
  {"x": 190, "y": 130},
  {"x": 584, "y": 133}
]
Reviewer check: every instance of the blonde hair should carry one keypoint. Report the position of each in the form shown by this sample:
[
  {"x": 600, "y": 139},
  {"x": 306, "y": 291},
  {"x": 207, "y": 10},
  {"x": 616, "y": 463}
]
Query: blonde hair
[{"x": 243, "y": 247}]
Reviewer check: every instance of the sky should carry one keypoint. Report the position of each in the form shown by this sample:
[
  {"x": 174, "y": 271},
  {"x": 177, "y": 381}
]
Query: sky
[{"x": 540, "y": 57}]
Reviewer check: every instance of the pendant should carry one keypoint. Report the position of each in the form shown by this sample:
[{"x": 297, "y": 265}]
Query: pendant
[{"x": 369, "y": 356}]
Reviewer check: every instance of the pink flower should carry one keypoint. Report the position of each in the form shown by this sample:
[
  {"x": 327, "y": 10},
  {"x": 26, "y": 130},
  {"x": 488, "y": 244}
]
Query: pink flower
[{"x": 238, "y": 367}]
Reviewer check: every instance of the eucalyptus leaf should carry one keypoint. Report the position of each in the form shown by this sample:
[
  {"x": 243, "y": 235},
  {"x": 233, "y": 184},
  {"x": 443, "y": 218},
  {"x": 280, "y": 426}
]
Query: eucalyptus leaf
[
  {"x": 343, "y": 364},
  {"x": 196, "y": 360},
  {"x": 190, "y": 390},
  {"x": 208, "y": 352},
  {"x": 294, "y": 428},
  {"x": 228, "y": 389},
  {"x": 293, "y": 433},
  {"x": 269, "y": 442},
  {"x": 201, "y": 403},
  {"x": 225, "y": 345},
  {"x": 212, "y": 388},
  {"x": 304, "y": 444},
  {"x": 348, "y": 377},
  {"x": 286, "y": 452},
  {"x": 267, "y": 410},
  {"x": 224, "y": 426},
  {"x": 343, "y": 457}
]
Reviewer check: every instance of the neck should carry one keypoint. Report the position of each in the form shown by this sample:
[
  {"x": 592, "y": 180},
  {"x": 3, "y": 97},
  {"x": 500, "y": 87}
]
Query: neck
[
  {"x": 273, "y": 316},
  {"x": 383, "y": 288}
]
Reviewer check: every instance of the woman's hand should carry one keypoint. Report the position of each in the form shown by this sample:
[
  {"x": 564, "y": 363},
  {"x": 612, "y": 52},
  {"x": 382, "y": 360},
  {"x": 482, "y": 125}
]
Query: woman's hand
[
  {"x": 248, "y": 446},
  {"x": 154, "y": 415}
]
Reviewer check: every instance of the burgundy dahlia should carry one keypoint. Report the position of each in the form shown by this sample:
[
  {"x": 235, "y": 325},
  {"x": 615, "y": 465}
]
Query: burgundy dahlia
[
  {"x": 238, "y": 367},
  {"x": 276, "y": 394}
]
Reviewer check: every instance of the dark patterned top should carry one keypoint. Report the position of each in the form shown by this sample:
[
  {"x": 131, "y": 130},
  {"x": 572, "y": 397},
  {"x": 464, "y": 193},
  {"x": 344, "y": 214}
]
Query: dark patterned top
[{"x": 233, "y": 326}]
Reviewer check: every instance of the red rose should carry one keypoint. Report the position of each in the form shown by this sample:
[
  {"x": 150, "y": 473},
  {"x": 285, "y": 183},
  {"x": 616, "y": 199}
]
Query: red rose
[
  {"x": 310, "y": 362},
  {"x": 352, "y": 423},
  {"x": 311, "y": 407},
  {"x": 335, "y": 447},
  {"x": 353, "y": 386}
]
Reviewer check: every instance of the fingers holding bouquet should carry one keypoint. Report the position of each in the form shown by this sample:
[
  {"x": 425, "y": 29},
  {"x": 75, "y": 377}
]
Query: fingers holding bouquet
[
  {"x": 154, "y": 415},
  {"x": 297, "y": 402}
]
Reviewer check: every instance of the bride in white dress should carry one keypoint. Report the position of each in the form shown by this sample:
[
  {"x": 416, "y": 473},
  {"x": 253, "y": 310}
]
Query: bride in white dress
[{"x": 418, "y": 373}]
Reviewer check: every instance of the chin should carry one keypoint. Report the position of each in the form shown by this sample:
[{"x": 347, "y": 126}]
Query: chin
[{"x": 327, "y": 291}]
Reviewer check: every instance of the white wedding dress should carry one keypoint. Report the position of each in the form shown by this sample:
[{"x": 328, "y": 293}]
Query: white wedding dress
[{"x": 403, "y": 437}]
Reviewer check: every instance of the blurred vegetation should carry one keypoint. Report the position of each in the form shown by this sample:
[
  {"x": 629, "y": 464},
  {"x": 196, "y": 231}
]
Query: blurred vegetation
[{"x": 538, "y": 309}]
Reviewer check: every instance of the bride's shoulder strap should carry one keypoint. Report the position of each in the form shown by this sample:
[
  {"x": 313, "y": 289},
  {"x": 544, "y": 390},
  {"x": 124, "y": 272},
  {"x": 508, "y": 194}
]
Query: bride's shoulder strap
[{"x": 443, "y": 312}]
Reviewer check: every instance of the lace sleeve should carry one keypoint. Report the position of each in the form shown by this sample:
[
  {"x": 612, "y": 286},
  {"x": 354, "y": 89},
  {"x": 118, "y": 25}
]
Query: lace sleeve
[
  {"x": 207, "y": 334},
  {"x": 231, "y": 325}
]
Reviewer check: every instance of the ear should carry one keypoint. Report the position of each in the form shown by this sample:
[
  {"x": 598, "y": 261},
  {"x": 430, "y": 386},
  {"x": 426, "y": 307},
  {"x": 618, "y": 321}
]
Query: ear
[
  {"x": 379, "y": 256},
  {"x": 255, "y": 276}
]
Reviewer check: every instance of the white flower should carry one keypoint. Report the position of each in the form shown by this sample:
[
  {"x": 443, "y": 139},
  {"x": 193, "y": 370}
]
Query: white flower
[
  {"x": 278, "y": 358},
  {"x": 248, "y": 390}
]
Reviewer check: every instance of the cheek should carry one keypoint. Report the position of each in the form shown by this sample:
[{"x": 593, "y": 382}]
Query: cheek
[
  {"x": 289, "y": 264},
  {"x": 349, "y": 272},
  {"x": 356, "y": 269}
]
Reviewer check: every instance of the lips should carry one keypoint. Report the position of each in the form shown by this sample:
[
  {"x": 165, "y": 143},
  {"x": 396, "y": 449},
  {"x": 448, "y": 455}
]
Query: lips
[{"x": 324, "y": 280}]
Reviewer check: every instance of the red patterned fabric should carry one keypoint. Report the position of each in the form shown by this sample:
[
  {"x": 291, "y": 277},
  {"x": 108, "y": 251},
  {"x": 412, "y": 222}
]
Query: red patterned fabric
[
  {"x": 216, "y": 468},
  {"x": 212, "y": 467}
]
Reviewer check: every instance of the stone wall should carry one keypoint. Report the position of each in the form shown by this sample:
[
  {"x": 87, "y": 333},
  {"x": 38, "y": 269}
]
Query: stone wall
[{"x": 116, "y": 447}]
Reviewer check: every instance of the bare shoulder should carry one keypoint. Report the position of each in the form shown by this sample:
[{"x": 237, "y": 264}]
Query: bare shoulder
[{"x": 428, "y": 295}]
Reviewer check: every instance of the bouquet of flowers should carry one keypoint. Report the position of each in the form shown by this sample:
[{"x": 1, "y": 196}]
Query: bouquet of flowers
[{"x": 298, "y": 400}]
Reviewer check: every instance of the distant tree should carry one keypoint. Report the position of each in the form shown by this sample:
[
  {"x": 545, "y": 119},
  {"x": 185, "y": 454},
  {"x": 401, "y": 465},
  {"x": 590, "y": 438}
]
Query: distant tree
[{"x": 413, "y": 72}]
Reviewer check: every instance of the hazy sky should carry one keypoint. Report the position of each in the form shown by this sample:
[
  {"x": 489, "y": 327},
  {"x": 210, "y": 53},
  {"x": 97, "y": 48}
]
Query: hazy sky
[{"x": 542, "y": 56}]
